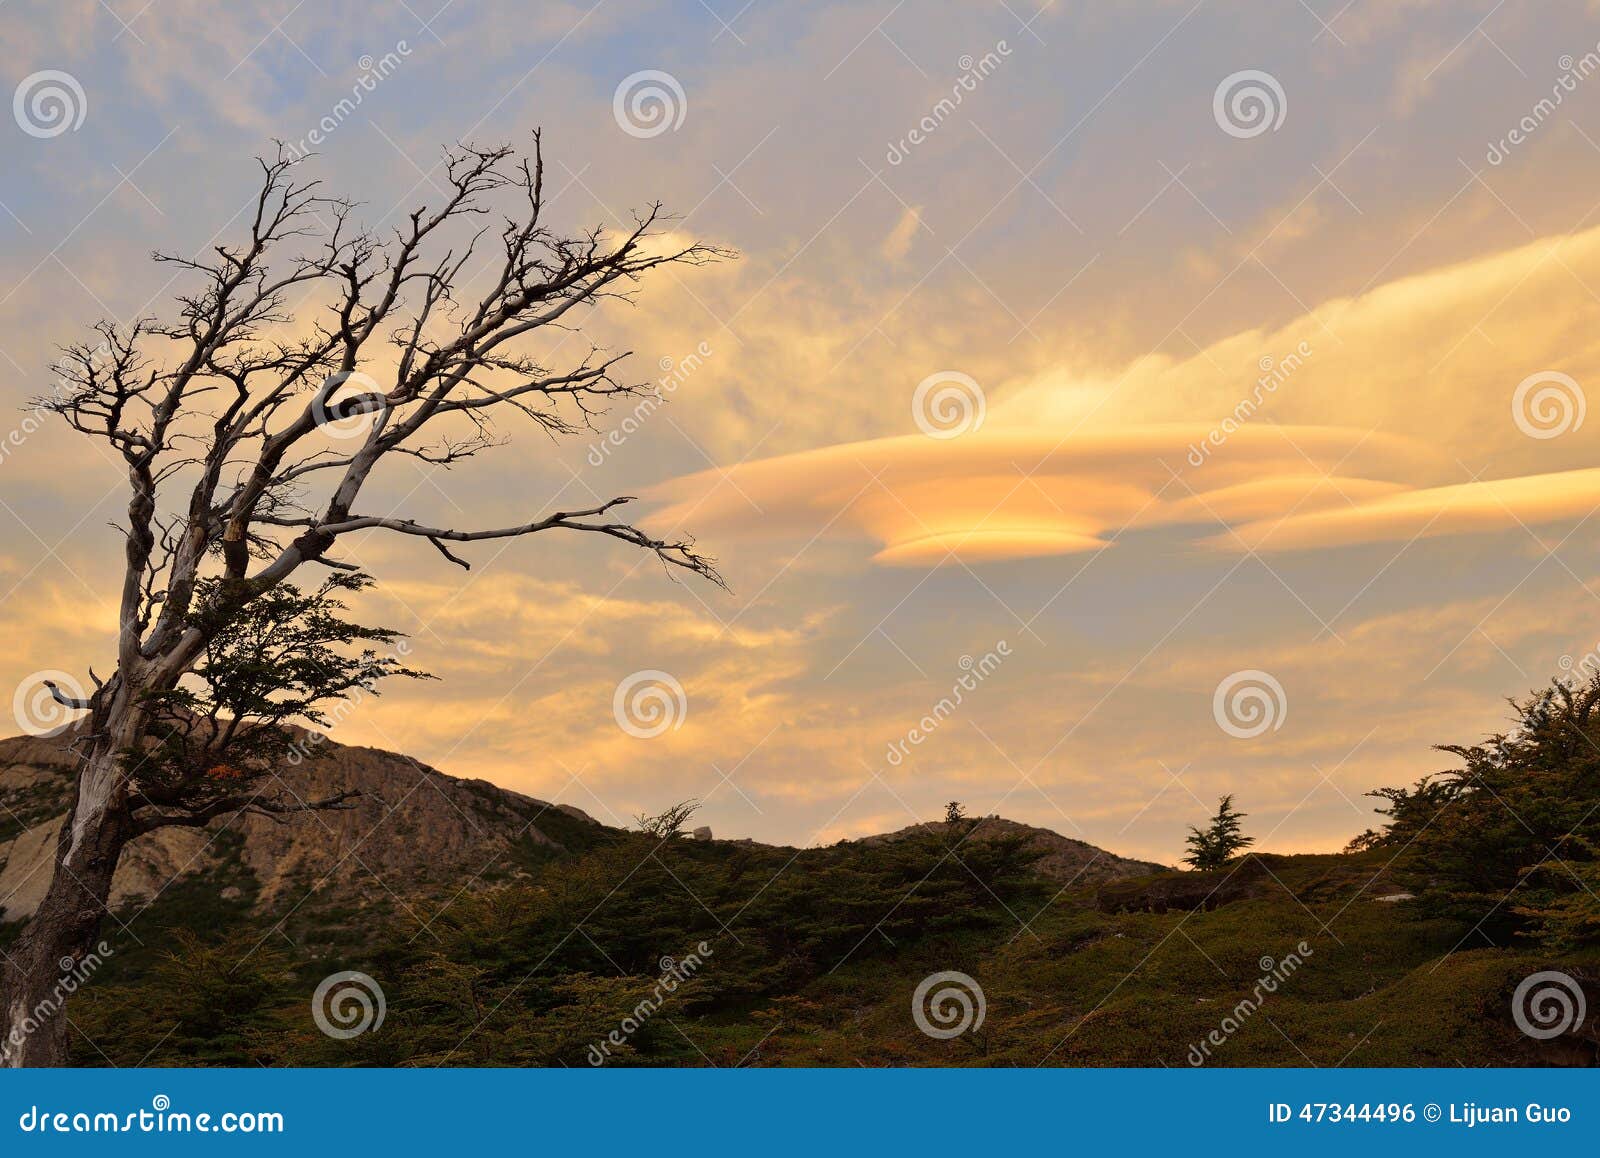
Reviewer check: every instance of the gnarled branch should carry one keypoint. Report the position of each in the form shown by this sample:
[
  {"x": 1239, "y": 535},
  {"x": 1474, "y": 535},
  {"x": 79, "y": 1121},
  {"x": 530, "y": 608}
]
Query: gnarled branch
[
  {"x": 254, "y": 803},
  {"x": 676, "y": 553}
]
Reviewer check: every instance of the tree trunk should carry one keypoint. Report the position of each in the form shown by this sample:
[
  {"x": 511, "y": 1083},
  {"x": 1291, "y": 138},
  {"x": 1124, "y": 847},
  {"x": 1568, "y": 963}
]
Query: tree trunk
[{"x": 63, "y": 932}]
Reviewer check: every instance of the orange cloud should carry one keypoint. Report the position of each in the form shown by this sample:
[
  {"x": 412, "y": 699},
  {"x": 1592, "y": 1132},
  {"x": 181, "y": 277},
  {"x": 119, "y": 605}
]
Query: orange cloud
[
  {"x": 1475, "y": 506},
  {"x": 1359, "y": 421},
  {"x": 1010, "y": 494}
]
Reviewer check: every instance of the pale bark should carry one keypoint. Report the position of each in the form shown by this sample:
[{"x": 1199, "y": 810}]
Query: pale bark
[
  {"x": 66, "y": 926},
  {"x": 212, "y": 398}
]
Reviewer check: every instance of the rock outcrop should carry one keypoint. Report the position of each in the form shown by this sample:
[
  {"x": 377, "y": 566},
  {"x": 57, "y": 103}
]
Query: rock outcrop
[{"x": 411, "y": 827}]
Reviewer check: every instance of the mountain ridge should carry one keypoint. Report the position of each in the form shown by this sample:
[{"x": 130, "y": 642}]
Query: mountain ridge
[
  {"x": 509, "y": 931},
  {"x": 412, "y": 828}
]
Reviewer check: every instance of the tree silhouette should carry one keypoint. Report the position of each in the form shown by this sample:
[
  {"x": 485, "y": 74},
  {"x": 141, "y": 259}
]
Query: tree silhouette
[
  {"x": 669, "y": 823},
  {"x": 249, "y": 428},
  {"x": 1216, "y": 844}
]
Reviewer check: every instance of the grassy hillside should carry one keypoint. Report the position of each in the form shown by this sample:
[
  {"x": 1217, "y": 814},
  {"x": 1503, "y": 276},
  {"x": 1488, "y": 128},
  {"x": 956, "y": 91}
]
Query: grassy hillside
[{"x": 812, "y": 958}]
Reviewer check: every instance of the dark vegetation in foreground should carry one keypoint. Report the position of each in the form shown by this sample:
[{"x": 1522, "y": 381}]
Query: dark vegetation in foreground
[{"x": 811, "y": 957}]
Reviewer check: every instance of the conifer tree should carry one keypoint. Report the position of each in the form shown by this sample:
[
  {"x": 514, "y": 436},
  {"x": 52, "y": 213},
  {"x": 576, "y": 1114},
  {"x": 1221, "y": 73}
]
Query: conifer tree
[{"x": 1216, "y": 845}]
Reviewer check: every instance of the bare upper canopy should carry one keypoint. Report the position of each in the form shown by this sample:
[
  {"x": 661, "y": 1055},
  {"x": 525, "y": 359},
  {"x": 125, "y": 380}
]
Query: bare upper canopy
[{"x": 227, "y": 397}]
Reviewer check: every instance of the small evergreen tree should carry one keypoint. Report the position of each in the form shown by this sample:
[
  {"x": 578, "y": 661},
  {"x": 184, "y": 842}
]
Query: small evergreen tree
[
  {"x": 954, "y": 813},
  {"x": 1216, "y": 845}
]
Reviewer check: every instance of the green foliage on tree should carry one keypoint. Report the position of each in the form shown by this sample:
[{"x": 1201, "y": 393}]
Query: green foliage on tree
[
  {"x": 500, "y": 977},
  {"x": 1409, "y": 810},
  {"x": 279, "y": 663},
  {"x": 1507, "y": 843},
  {"x": 1221, "y": 839},
  {"x": 210, "y": 1002}
]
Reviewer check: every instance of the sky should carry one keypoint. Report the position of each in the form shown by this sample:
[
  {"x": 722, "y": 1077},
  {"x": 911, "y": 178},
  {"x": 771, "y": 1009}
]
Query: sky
[{"x": 1193, "y": 391}]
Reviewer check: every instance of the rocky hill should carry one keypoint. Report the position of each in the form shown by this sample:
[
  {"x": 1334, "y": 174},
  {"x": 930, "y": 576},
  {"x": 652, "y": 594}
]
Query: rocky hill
[
  {"x": 546, "y": 930},
  {"x": 1064, "y": 859},
  {"x": 411, "y": 829}
]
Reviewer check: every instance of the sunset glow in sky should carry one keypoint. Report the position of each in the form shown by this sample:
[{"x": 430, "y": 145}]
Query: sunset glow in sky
[{"x": 1031, "y": 339}]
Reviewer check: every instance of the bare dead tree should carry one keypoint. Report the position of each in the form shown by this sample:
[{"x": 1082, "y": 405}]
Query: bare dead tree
[
  {"x": 669, "y": 823},
  {"x": 221, "y": 417}
]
